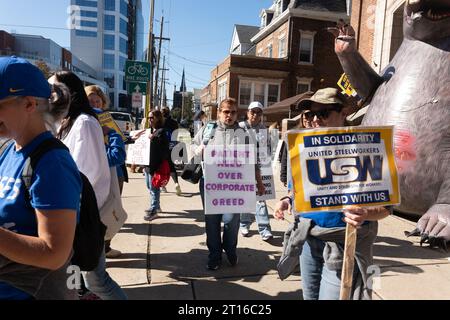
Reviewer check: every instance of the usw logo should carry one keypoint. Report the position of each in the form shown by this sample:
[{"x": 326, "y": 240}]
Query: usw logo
[{"x": 342, "y": 170}]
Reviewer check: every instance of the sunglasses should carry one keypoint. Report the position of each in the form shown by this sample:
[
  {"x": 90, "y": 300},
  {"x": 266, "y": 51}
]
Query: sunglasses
[
  {"x": 259, "y": 112},
  {"x": 151, "y": 118},
  {"x": 321, "y": 114}
]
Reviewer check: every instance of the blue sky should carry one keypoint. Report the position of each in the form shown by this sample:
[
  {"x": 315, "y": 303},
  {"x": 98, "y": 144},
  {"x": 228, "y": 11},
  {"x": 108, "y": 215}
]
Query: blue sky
[{"x": 200, "y": 30}]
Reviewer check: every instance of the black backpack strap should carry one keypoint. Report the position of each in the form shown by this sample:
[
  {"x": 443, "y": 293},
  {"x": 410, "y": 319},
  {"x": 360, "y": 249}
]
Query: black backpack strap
[{"x": 35, "y": 156}]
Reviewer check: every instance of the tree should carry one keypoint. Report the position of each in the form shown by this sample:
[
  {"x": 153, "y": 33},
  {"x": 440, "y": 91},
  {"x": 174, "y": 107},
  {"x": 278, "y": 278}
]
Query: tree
[{"x": 44, "y": 68}]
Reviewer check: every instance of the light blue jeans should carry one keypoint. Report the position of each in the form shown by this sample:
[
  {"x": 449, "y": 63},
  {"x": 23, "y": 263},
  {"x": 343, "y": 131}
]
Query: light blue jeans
[
  {"x": 216, "y": 245},
  {"x": 261, "y": 216},
  {"x": 318, "y": 282},
  {"x": 100, "y": 283},
  {"x": 154, "y": 192}
]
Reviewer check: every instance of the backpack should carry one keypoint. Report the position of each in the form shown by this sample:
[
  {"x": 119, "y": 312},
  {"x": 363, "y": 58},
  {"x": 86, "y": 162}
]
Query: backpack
[{"x": 88, "y": 243}]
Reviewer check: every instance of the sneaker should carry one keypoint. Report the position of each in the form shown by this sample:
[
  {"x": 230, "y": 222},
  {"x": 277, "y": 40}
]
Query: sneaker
[
  {"x": 151, "y": 216},
  {"x": 178, "y": 189},
  {"x": 213, "y": 266},
  {"x": 244, "y": 231},
  {"x": 150, "y": 210},
  {"x": 233, "y": 260},
  {"x": 267, "y": 236},
  {"x": 113, "y": 253},
  {"x": 163, "y": 189}
]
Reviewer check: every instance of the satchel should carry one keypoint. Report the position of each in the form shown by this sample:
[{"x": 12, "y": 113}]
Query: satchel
[{"x": 192, "y": 172}]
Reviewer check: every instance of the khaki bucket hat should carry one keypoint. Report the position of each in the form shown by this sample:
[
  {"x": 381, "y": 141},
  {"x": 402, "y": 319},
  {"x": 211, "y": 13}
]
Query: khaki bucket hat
[{"x": 322, "y": 96}]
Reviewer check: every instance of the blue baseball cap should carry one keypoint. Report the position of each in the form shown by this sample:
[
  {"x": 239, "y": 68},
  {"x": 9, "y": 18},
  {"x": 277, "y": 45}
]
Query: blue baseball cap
[{"x": 18, "y": 77}]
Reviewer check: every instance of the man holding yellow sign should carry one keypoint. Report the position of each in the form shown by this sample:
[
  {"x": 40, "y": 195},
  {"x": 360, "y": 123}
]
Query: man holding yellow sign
[{"x": 334, "y": 173}]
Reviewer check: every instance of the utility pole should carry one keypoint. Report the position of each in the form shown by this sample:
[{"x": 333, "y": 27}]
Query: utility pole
[
  {"x": 149, "y": 98},
  {"x": 155, "y": 96}
]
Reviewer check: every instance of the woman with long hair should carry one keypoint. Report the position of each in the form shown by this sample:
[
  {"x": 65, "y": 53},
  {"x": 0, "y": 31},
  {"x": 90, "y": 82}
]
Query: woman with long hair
[
  {"x": 82, "y": 134},
  {"x": 159, "y": 151}
]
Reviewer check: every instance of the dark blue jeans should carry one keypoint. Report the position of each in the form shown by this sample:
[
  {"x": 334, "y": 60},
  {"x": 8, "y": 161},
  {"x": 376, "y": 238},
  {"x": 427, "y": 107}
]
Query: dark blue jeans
[{"x": 213, "y": 229}]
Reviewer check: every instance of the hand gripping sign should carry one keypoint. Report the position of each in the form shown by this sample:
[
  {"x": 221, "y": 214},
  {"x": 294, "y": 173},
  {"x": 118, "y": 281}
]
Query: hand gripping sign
[
  {"x": 335, "y": 167},
  {"x": 229, "y": 179}
]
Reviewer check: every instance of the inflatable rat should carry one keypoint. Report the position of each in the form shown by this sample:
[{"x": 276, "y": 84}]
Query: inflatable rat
[{"x": 413, "y": 94}]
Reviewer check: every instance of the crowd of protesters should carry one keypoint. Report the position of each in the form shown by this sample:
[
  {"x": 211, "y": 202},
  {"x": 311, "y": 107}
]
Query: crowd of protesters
[{"x": 36, "y": 249}]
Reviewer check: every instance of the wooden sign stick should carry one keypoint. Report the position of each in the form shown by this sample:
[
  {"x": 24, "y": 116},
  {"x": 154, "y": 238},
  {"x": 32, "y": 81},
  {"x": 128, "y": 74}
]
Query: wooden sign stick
[{"x": 349, "y": 262}]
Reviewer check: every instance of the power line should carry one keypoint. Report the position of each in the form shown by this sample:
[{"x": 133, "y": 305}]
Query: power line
[
  {"x": 200, "y": 62},
  {"x": 187, "y": 79}
]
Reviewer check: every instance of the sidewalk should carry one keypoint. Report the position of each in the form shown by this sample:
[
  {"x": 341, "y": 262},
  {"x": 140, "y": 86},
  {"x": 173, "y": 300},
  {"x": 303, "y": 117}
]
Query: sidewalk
[{"x": 166, "y": 258}]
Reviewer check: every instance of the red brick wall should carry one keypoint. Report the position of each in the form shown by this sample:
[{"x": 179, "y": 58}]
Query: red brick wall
[
  {"x": 274, "y": 39},
  {"x": 7, "y": 41},
  {"x": 363, "y": 21}
]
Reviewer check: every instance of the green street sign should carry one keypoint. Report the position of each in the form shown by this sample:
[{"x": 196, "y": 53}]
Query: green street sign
[
  {"x": 137, "y": 71},
  {"x": 137, "y": 87}
]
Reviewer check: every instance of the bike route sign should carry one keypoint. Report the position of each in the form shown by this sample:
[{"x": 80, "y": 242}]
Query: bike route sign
[{"x": 137, "y": 71}]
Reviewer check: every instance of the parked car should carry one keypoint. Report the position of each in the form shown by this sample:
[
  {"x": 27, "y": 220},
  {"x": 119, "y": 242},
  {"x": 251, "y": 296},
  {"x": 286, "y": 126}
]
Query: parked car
[{"x": 124, "y": 121}]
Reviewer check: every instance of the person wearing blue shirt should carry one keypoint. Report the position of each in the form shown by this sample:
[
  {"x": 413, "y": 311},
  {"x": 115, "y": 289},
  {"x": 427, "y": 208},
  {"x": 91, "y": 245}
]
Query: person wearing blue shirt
[
  {"x": 37, "y": 225},
  {"x": 325, "y": 109}
]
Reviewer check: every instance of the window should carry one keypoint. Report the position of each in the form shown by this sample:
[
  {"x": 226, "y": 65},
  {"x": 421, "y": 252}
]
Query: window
[
  {"x": 108, "y": 42},
  {"x": 90, "y": 24},
  {"x": 109, "y": 79},
  {"x": 245, "y": 93},
  {"x": 269, "y": 51},
  {"x": 306, "y": 47},
  {"x": 282, "y": 47},
  {"x": 110, "y": 5},
  {"x": 82, "y": 33},
  {"x": 110, "y": 22},
  {"x": 86, "y": 3},
  {"x": 278, "y": 7},
  {"x": 272, "y": 96},
  {"x": 265, "y": 92},
  {"x": 303, "y": 86},
  {"x": 122, "y": 61},
  {"x": 108, "y": 61},
  {"x": 88, "y": 14},
  {"x": 222, "y": 91},
  {"x": 123, "y": 27},
  {"x": 123, "y": 45},
  {"x": 259, "y": 92},
  {"x": 124, "y": 8}
]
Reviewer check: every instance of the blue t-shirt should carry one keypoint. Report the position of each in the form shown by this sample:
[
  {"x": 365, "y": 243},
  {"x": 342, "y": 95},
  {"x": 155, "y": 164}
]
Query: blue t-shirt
[
  {"x": 55, "y": 185},
  {"x": 324, "y": 219}
]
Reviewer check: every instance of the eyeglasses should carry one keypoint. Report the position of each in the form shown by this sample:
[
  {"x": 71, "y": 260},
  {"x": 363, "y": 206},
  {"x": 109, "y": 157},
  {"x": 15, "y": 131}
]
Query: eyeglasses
[
  {"x": 229, "y": 112},
  {"x": 258, "y": 113},
  {"x": 151, "y": 118},
  {"x": 322, "y": 114}
]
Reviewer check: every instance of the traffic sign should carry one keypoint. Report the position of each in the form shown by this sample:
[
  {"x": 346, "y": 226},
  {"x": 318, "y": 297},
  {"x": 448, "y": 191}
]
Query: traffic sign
[
  {"x": 138, "y": 87},
  {"x": 137, "y": 71},
  {"x": 136, "y": 100}
]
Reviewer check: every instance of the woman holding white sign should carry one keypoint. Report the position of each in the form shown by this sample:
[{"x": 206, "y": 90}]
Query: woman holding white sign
[{"x": 322, "y": 252}]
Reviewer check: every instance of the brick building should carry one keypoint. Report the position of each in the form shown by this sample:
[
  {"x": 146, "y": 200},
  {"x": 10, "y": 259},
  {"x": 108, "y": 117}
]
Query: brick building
[
  {"x": 379, "y": 29},
  {"x": 292, "y": 52}
]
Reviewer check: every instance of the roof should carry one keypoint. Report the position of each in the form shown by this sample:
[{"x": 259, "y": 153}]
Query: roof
[
  {"x": 245, "y": 33},
  {"x": 321, "y": 5}
]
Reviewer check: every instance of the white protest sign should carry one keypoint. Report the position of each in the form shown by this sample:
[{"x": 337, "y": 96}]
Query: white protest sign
[
  {"x": 138, "y": 153},
  {"x": 335, "y": 167},
  {"x": 229, "y": 172},
  {"x": 269, "y": 183}
]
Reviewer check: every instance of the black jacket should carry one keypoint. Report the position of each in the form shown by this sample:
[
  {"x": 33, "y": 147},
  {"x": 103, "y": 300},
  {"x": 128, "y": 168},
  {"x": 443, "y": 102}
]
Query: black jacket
[{"x": 159, "y": 149}]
